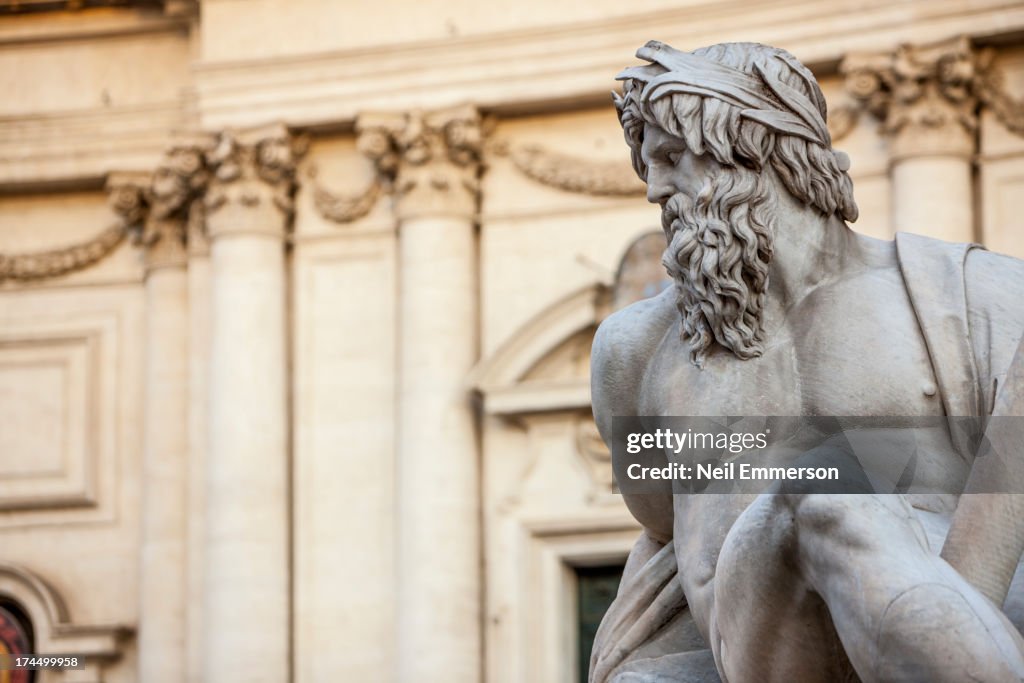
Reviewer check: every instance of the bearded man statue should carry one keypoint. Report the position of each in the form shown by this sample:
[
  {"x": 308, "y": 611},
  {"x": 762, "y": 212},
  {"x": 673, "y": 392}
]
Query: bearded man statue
[{"x": 780, "y": 309}]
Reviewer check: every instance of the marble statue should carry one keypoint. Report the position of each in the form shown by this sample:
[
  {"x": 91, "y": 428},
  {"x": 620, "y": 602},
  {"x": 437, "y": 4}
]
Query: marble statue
[{"x": 779, "y": 308}]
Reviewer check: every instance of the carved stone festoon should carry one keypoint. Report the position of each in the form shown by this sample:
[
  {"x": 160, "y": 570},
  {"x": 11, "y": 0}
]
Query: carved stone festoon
[
  {"x": 343, "y": 208},
  {"x": 561, "y": 171},
  {"x": 927, "y": 96},
  {"x": 432, "y": 160},
  {"x": 126, "y": 195},
  {"x": 252, "y": 181}
]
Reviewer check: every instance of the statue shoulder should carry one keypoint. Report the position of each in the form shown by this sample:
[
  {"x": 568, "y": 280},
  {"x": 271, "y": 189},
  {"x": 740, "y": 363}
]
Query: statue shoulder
[
  {"x": 623, "y": 345},
  {"x": 994, "y": 285}
]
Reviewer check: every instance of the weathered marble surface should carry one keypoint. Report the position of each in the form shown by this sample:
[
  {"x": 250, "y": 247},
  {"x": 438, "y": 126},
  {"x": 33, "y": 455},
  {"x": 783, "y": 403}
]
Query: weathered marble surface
[{"x": 779, "y": 308}]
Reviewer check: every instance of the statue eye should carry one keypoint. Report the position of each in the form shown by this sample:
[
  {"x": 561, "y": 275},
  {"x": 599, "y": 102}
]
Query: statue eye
[{"x": 674, "y": 157}]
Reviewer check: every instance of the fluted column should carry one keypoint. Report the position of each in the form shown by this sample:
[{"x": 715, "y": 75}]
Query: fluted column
[
  {"x": 433, "y": 161},
  {"x": 246, "y": 549},
  {"x": 925, "y": 97},
  {"x": 163, "y": 577}
]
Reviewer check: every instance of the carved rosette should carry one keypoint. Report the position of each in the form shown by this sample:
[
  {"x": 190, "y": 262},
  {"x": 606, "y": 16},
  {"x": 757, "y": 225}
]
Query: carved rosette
[
  {"x": 431, "y": 160},
  {"x": 252, "y": 182},
  {"x": 926, "y": 96},
  {"x": 174, "y": 197}
]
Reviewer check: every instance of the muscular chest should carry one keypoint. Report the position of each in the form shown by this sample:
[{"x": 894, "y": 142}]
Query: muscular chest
[{"x": 827, "y": 360}]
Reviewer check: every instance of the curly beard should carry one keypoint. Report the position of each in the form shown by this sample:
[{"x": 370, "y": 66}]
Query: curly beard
[{"x": 719, "y": 250}]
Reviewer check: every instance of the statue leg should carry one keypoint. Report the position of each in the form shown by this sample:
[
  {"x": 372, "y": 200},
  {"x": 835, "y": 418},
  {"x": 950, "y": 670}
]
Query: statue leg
[
  {"x": 766, "y": 624},
  {"x": 858, "y": 567}
]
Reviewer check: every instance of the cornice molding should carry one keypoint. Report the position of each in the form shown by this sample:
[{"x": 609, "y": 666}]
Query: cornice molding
[
  {"x": 96, "y": 25},
  {"x": 82, "y": 147},
  {"x": 540, "y": 70}
]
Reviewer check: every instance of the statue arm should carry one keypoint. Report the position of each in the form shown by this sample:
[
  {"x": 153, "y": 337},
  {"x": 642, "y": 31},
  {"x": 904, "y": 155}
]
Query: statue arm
[{"x": 617, "y": 365}]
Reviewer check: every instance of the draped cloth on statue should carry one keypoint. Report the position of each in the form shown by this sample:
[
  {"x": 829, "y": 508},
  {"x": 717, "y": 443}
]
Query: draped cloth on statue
[
  {"x": 933, "y": 273},
  {"x": 648, "y": 633}
]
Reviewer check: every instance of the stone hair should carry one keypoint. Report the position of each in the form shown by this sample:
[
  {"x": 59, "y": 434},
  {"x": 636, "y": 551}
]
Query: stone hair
[
  {"x": 720, "y": 244},
  {"x": 708, "y": 125}
]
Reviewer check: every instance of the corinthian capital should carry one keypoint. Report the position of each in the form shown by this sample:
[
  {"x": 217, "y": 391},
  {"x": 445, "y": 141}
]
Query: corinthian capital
[
  {"x": 431, "y": 159},
  {"x": 925, "y": 95},
  {"x": 173, "y": 197},
  {"x": 252, "y": 182}
]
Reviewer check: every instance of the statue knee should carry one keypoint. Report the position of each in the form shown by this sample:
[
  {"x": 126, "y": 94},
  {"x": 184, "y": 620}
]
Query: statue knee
[{"x": 930, "y": 633}]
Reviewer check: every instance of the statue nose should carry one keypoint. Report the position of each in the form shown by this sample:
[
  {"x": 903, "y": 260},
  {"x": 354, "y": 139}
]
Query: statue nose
[{"x": 659, "y": 185}]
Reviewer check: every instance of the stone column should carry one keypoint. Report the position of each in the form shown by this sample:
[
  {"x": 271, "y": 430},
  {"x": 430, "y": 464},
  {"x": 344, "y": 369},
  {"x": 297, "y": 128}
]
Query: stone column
[
  {"x": 198, "y": 435},
  {"x": 163, "y": 578},
  {"x": 433, "y": 161},
  {"x": 246, "y": 551},
  {"x": 925, "y": 97}
]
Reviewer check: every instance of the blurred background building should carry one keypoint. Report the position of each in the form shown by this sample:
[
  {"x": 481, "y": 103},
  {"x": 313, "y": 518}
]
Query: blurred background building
[{"x": 297, "y": 297}]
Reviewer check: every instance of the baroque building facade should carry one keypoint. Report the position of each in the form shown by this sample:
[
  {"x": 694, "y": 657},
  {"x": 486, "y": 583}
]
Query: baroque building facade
[{"x": 296, "y": 304}]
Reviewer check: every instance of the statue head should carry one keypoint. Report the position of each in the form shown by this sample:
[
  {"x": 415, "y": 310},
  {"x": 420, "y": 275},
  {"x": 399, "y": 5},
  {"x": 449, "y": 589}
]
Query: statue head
[{"x": 717, "y": 134}]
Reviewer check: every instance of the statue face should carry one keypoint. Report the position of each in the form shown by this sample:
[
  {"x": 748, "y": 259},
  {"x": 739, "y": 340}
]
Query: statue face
[
  {"x": 671, "y": 167},
  {"x": 719, "y": 223}
]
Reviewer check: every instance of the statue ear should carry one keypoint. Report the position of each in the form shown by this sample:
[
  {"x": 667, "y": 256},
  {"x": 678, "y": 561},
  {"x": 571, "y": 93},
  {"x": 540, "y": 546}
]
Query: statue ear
[{"x": 842, "y": 160}]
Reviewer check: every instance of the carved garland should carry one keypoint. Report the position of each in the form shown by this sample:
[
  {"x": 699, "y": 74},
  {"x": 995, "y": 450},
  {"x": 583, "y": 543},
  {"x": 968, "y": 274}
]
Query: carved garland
[
  {"x": 126, "y": 199},
  {"x": 571, "y": 174},
  {"x": 340, "y": 208},
  {"x": 54, "y": 262},
  {"x": 560, "y": 171}
]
